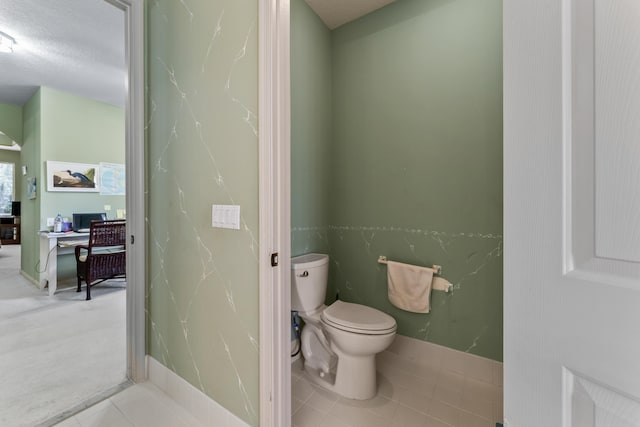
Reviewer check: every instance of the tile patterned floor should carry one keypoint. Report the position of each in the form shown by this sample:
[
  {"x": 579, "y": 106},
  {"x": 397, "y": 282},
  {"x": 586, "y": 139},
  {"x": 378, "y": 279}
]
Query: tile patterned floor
[
  {"x": 451, "y": 389},
  {"x": 141, "y": 405}
]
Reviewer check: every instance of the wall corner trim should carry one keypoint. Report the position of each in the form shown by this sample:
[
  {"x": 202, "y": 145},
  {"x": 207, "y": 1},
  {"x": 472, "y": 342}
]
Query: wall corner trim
[{"x": 274, "y": 212}]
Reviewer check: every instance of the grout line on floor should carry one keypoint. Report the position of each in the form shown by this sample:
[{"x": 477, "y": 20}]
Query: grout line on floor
[{"x": 90, "y": 402}]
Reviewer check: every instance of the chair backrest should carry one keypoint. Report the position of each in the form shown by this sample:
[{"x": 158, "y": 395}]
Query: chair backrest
[{"x": 108, "y": 233}]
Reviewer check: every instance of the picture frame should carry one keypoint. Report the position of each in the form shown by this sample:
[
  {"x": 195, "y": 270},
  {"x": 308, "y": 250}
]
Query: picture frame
[
  {"x": 32, "y": 189},
  {"x": 73, "y": 177},
  {"x": 112, "y": 179}
]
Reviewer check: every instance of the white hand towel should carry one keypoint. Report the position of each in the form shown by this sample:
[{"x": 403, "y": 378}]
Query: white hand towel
[{"x": 409, "y": 286}]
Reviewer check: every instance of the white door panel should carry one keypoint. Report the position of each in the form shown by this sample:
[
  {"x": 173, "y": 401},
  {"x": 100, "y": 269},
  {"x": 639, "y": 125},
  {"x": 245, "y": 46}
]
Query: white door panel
[
  {"x": 572, "y": 213},
  {"x": 617, "y": 128},
  {"x": 593, "y": 405}
]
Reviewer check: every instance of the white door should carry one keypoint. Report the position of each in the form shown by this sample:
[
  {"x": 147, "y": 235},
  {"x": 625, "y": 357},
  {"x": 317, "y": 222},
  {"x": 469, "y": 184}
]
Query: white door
[{"x": 572, "y": 213}]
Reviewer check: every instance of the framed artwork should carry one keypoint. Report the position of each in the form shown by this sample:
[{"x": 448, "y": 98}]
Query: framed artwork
[
  {"x": 74, "y": 177},
  {"x": 31, "y": 188},
  {"x": 112, "y": 179}
]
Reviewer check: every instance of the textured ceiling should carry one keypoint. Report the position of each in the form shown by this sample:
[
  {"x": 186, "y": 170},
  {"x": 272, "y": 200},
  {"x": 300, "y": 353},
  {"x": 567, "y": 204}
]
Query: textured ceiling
[
  {"x": 335, "y": 13},
  {"x": 78, "y": 45},
  {"x": 75, "y": 46}
]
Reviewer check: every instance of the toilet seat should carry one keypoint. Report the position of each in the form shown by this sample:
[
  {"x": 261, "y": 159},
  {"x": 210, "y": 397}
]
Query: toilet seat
[{"x": 357, "y": 318}]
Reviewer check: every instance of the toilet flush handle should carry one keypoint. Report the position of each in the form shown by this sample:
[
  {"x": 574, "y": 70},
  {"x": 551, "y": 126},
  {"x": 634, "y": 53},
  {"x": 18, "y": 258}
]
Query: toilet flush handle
[{"x": 305, "y": 274}]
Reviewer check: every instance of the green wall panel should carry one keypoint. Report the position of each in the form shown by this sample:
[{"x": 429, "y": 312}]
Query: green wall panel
[
  {"x": 30, "y": 208},
  {"x": 10, "y": 124},
  {"x": 417, "y": 176},
  {"x": 58, "y": 126},
  {"x": 415, "y": 167},
  {"x": 202, "y": 97},
  {"x": 79, "y": 130},
  {"x": 311, "y": 130}
]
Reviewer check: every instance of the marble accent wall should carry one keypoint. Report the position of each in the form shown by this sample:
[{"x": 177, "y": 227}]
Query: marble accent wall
[
  {"x": 202, "y": 297},
  {"x": 468, "y": 319}
]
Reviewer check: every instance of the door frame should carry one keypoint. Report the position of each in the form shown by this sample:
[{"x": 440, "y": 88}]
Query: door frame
[
  {"x": 135, "y": 187},
  {"x": 275, "y": 217}
]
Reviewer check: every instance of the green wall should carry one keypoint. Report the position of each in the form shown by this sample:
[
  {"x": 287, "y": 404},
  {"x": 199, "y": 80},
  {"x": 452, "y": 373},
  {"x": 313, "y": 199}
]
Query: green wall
[
  {"x": 10, "y": 124},
  {"x": 416, "y": 163},
  {"x": 79, "y": 130},
  {"x": 63, "y": 127},
  {"x": 311, "y": 130},
  {"x": 202, "y": 95},
  {"x": 30, "y": 208}
]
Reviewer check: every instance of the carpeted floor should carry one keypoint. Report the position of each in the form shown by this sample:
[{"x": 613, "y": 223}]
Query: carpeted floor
[{"x": 56, "y": 352}]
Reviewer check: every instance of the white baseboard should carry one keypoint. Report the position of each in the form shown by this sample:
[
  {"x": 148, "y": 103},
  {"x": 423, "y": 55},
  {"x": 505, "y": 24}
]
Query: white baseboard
[
  {"x": 29, "y": 278},
  {"x": 199, "y": 405},
  {"x": 476, "y": 367}
]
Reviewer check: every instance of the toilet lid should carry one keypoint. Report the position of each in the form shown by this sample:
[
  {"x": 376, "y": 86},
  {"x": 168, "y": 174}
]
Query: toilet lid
[{"x": 358, "y": 318}]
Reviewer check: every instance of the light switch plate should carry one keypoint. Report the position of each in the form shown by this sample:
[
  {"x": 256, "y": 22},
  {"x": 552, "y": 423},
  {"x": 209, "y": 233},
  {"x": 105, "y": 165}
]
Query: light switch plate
[
  {"x": 50, "y": 222},
  {"x": 225, "y": 216}
]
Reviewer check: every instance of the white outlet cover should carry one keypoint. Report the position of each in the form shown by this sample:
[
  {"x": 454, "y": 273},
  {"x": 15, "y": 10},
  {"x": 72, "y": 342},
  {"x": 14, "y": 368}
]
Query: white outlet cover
[{"x": 226, "y": 216}]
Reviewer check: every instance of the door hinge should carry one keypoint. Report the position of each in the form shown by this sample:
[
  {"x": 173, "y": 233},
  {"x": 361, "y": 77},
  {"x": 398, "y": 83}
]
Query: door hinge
[{"x": 274, "y": 259}]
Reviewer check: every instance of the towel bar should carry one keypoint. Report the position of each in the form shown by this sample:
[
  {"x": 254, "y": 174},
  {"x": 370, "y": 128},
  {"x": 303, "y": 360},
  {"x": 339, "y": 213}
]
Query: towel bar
[{"x": 438, "y": 269}]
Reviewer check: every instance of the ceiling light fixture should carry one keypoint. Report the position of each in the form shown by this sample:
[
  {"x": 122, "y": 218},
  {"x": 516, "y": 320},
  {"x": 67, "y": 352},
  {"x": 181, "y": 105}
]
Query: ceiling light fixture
[{"x": 6, "y": 43}]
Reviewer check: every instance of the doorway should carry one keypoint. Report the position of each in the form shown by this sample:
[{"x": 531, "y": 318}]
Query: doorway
[
  {"x": 133, "y": 330},
  {"x": 362, "y": 237}
]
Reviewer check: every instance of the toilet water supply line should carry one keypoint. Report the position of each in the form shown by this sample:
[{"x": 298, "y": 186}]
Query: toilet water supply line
[{"x": 296, "y": 327}]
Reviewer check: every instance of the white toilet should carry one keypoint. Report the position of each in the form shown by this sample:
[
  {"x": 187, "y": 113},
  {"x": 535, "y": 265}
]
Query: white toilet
[{"x": 339, "y": 342}]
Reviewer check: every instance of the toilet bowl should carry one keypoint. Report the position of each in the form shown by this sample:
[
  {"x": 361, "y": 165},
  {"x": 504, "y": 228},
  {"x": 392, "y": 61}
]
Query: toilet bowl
[{"x": 339, "y": 342}]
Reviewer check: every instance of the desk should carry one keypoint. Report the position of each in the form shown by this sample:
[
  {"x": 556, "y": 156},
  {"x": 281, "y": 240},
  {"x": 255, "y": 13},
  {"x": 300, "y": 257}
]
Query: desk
[
  {"x": 10, "y": 234},
  {"x": 52, "y": 245},
  {"x": 9, "y": 230}
]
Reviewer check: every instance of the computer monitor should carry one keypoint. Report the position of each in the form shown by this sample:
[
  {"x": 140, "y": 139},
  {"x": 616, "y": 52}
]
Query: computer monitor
[
  {"x": 82, "y": 221},
  {"x": 15, "y": 208}
]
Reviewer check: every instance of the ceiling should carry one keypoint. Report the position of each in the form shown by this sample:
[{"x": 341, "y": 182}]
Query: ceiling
[
  {"x": 76, "y": 46},
  {"x": 335, "y": 13}
]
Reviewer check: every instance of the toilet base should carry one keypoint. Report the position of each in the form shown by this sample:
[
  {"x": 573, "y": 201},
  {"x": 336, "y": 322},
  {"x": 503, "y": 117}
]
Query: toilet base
[{"x": 354, "y": 378}]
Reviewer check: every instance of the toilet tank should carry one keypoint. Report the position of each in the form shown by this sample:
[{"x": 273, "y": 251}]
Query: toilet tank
[{"x": 308, "y": 281}]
